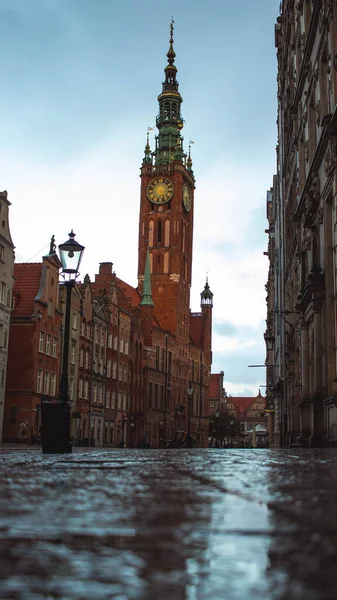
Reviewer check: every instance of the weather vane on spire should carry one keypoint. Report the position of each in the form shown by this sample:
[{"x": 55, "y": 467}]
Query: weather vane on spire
[
  {"x": 171, "y": 53},
  {"x": 171, "y": 30}
]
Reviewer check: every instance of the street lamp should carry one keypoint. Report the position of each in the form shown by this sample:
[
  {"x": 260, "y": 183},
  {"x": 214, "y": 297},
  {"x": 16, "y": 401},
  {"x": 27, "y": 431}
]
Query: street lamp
[
  {"x": 124, "y": 420},
  {"x": 269, "y": 339},
  {"x": 71, "y": 253},
  {"x": 56, "y": 415},
  {"x": 189, "y": 390}
]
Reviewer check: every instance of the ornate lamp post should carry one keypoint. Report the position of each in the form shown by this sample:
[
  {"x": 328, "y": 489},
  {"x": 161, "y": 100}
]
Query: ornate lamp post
[
  {"x": 124, "y": 421},
  {"x": 56, "y": 415},
  {"x": 189, "y": 390},
  {"x": 269, "y": 339}
]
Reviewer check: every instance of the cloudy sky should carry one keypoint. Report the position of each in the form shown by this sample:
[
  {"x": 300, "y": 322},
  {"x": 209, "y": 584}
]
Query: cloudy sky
[{"x": 79, "y": 87}]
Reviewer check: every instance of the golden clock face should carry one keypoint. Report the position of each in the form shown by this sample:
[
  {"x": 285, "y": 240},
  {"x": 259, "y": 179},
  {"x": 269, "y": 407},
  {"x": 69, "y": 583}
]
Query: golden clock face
[
  {"x": 186, "y": 197},
  {"x": 160, "y": 190}
]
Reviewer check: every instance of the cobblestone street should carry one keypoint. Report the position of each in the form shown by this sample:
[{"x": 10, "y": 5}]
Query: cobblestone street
[{"x": 190, "y": 524}]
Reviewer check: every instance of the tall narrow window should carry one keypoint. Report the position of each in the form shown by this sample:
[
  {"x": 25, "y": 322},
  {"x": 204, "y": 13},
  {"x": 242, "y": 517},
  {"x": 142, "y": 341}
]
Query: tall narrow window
[
  {"x": 53, "y": 384},
  {"x": 155, "y": 395},
  {"x": 46, "y": 382},
  {"x": 166, "y": 262},
  {"x": 41, "y": 342},
  {"x": 151, "y": 224},
  {"x": 167, "y": 233},
  {"x": 48, "y": 344},
  {"x": 159, "y": 232},
  {"x": 39, "y": 381}
]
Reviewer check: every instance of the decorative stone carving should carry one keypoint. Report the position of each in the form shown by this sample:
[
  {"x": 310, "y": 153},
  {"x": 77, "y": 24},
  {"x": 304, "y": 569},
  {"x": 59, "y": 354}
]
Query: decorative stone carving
[
  {"x": 330, "y": 156},
  {"x": 302, "y": 42},
  {"x": 319, "y": 215}
]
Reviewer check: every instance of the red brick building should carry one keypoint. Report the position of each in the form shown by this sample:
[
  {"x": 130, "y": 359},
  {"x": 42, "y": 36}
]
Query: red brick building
[
  {"x": 249, "y": 410},
  {"x": 217, "y": 393},
  {"x": 178, "y": 342},
  {"x": 34, "y": 346}
]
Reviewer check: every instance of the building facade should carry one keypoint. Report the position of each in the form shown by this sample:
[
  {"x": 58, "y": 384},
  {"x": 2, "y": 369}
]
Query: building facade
[
  {"x": 6, "y": 283},
  {"x": 301, "y": 289},
  {"x": 34, "y": 347}
]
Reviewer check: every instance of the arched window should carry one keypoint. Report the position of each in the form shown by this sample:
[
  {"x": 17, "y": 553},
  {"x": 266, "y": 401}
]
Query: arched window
[
  {"x": 184, "y": 235},
  {"x": 159, "y": 232},
  {"x": 167, "y": 233},
  {"x": 151, "y": 233},
  {"x": 166, "y": 262},
  {"x": 151, "y": 263}
]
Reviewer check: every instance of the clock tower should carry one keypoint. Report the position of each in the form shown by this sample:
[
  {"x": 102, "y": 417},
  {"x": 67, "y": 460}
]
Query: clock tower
[{"x": 166, "y": 212}]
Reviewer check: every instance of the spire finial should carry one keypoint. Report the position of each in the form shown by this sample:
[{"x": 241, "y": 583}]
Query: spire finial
[
  {"x": 189, "y": 160},
  {"x": 171, "y": 53},
  {"x": 147, "y": 152}
]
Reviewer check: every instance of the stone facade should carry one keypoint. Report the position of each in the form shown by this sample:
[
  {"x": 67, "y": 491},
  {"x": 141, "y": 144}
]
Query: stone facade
[{"x": 301, "y": 289}]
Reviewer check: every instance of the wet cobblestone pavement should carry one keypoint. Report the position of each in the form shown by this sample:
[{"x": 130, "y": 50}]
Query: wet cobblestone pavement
[{"x": 173, "y": 524}]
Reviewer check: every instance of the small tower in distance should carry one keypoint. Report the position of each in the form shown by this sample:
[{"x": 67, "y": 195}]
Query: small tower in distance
[{"x": 206, "y": 302}]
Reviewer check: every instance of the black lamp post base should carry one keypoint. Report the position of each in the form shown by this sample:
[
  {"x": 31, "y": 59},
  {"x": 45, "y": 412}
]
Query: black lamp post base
[{"x": 55, "y": 431}]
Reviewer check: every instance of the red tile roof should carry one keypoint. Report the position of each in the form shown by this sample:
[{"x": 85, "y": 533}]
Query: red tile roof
[
  {"x": 242, "y": 404},
  {"x": 27, "y": 282},
  {"x": 130, "y": 292}
]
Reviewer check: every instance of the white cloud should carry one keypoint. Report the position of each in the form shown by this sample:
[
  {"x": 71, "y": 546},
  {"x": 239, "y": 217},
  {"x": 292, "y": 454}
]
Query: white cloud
[
  {"x": 222, "y": 343},
  {"x": 236, "y": 389},
  {"x": 97, "y": 195}
]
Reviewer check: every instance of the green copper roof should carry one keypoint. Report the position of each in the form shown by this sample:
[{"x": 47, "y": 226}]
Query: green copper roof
[
  {"x": 169, "y": 120},
  {"x": 147, "y": 289}
]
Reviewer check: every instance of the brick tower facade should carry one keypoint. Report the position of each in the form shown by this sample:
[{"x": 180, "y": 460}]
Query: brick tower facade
[{"x": 166, "y": 212}]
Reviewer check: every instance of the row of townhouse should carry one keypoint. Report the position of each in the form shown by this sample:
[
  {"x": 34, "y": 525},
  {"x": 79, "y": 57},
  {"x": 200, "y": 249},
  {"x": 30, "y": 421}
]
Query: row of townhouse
[
  {"x": 125, "y": 388},
  {"x": 98, "y": 355}
]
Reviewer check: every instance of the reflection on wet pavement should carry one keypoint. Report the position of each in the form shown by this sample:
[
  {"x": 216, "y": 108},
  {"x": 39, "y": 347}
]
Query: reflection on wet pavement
[{"x": 173, "y": 524}]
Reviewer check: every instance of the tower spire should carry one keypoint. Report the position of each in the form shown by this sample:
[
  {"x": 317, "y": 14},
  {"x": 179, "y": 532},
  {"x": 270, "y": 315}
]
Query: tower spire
[
  {"x": 206, "y": 295},
  {"x": 147, "y": 151},
  {"x": 147, "y": 288},
  {"x": 169, "y": 120}
]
